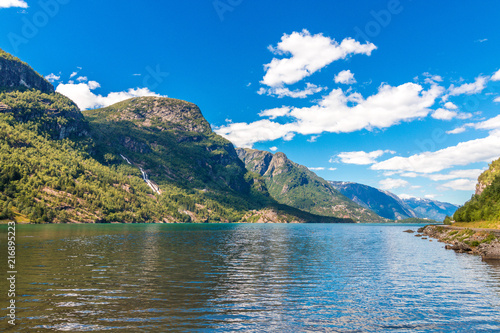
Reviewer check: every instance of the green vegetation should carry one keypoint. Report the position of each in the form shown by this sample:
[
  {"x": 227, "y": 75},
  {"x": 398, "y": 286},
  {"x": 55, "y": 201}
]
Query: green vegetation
[
  {"x": 10, "y": 57},
  {"x": 486, "y": 205},
  {"x": 18, "y": 75},
  {"x": 467, "y": 236},
  {"x": 295, "y": 185},
  {"x": 57, "y": 166}
]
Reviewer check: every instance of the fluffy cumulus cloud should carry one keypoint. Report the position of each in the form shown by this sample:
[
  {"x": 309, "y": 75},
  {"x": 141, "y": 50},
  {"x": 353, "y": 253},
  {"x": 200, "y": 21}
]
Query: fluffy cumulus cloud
[
  {"x": 339, "y": 112},
  {"x": 308, "y": 54},
  {"x": 273, "y": 148},
  {"x": 83, "y": 96},
  {"x": 472, "y": 174},
  {"x": 490, "y": 124},
  {"x": 468, "y": 88},
  {"x": 450, "y": 106},
  {"x": 443, "y": 114},
  {"x": 52, "y": 77},
  {"x": 281, "y": 92},
  {"x": 461, "y": 185},
  {"x": 245, "y": 134},
  {"x": 345, "y": 77},
  {"x": 360, "y": 157},
  {"x": 391, "y": 183},
  {"x": 13, "y": 3},
  {"x": 496, "y": 76},
  {"x": 479, "y": 150},
  {"x": 276, "y": 112}
]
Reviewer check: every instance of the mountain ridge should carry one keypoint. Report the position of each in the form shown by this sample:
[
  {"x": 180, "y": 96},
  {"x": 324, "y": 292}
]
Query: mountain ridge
[
  {"x": 142, "y": 160},
  {"x": 295, "y": 185},
  {"x": 393, "y": 207}
]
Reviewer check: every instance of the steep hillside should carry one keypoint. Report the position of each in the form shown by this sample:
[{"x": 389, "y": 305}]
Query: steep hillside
[
  {"x": 381, "y": 202},
  {"x": 142, "y": 160},
  {"x": 485, "y": 204},
  {"x": 18, "y": 75},
  {"x": 295, "y": 185}
]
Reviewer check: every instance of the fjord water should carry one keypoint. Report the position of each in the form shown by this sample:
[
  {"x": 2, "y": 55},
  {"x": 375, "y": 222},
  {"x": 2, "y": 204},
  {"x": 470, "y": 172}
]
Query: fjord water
[{"x": 246, "y": 277}]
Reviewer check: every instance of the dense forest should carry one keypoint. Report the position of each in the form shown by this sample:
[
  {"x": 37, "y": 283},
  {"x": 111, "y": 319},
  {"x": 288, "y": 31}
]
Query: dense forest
[
  {"x": 485, "y": 204},
  {"x": 59, "y": 165}
]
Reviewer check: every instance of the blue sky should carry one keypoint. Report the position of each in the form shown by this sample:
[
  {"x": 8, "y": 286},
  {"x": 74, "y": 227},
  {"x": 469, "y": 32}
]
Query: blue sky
[{"x": 399, "y": 95}]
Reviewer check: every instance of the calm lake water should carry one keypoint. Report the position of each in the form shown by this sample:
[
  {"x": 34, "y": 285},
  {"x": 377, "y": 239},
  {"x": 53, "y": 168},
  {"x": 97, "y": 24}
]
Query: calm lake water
[{"x": 251, "y": 278}]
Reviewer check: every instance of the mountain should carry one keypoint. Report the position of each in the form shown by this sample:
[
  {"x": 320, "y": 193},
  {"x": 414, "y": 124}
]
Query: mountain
[
  {"x": 383, "y": 203},
  {"x": 485, "y": 203},
  {"x": 390, "y": 206},
  {"x": 18, "y": 75},
  {"x": 430, "y": 209},
  {"x": 141, "y": 160},
  {"x": 295, "y": 185}
]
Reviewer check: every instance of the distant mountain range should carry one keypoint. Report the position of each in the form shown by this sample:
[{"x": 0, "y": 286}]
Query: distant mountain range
[{"x": 390, "y": 206}]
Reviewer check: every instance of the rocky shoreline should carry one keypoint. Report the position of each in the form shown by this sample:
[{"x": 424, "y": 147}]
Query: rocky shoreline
[{"x": 465, "y": 240}]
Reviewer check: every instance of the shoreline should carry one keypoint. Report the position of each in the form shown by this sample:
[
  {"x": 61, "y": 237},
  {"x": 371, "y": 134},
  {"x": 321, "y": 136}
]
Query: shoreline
[{"x": 483, "y": 242}]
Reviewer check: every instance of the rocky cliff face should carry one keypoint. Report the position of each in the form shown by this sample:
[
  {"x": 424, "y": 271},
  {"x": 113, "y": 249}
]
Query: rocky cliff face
[
  {"x": 172, "y": 140},
  {"x": 15, "y": 74},
  {"x": 487, "y": 177},
  {"x": 162, "y": 113},
  {"x": 29, "y": 98}
]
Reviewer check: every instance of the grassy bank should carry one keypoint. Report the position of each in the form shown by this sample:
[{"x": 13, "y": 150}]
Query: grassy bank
[{"x": 479, "y": 224}]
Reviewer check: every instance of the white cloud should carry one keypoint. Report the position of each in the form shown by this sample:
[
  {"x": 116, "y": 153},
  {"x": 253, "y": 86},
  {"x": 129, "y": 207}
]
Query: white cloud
[
  {"x": 432, "y": 79},
  {"x": 332, "y": 169},
  {"x": 496, "y": 76},
  {"x": 345, "y": 77},
  {"x": 468, "y": 88},
  {"x": 281, "y": 92},
  {"x": 93, "y": 85},
  {"x": 490, "y": 124},
  {"x": 457, "y": 130},
  {"x": 313, "y": 138},
  {"x": 430, "y": 196},
  {"x": 497, "y": 100},
  {"x": 455, "y": 174},
  {"x": 479, "y": 150},
  {"x": 309, "y": 53},
  {"x": 450, "y": 106},
  {"x": 461, "y": 185},
  {"x": 443, "y": 114},
  {"x": 13, "y": 3},
  {"x": 410, "y": 174},
  {"x": 391, "y": 183},
  {"x": 82, "y": 95},
  {"x": 360, "y": 157},
  {"x": 82, "y": 78},
  {"x": 317, "y": 169},
  {"x": 245, "y": 134},
  {"x": 52, "y": 77},
  {"x": 273, "y": 148},
  {"x": 73, "y": 74},
  {"x": 341, "y": 113},
  {"x": 276, "y": 112},
  {"x": 406, "y": 196}
]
